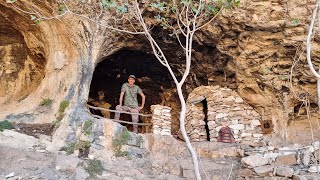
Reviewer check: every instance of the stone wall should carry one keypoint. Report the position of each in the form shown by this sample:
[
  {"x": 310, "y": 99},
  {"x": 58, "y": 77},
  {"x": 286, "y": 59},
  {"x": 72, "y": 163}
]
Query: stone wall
[
  {"x": 161, "y": 120},
  {"x": 297, "y": 161},
  {"x": 223, "y": 104}
]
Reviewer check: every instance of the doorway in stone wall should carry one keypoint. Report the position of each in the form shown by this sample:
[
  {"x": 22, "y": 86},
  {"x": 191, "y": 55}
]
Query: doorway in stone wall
[{"x": 205, "y": 111}]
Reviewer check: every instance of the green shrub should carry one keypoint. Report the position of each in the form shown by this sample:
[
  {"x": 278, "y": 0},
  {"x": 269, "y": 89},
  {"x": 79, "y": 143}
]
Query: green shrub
[
  {"x": 63, "y": 105},
  {"x": 83, "y": 145},
  {"x": 6, "y": 125},
  {"x": 70, "y": 148},
  {"x": 86, "y": 129},
  {"x": 56, "y": 123},
  {"x": 46, "y": 102},
  {"x": 118, "y": 141},
  {"x": 94, "y": 167}
]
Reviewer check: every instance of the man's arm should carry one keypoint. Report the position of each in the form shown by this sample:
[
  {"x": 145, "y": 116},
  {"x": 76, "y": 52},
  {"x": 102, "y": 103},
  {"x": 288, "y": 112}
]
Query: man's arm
[
  {"x": 121, "y": 98},
  {"x": 143, "y": 100}
]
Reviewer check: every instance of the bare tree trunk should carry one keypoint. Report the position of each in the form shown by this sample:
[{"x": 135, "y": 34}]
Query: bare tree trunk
[{"x": 184, "y": 134}]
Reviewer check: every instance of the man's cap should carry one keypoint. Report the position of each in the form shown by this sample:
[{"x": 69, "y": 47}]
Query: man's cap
[{"x": 132, "y": 76}]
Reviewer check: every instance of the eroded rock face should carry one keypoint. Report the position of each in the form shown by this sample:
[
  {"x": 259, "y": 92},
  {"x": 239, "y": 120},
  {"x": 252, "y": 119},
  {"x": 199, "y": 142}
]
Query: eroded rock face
[
  {"x": 265, "y": 38},
  {"x": 21, "y": 65},
  {"x": 250, "y": 49}
]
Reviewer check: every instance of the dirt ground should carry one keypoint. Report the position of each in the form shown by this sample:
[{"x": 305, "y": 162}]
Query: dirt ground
[
  {"x": 27, "y": 164},
  {"x": 34, "y": 129}
]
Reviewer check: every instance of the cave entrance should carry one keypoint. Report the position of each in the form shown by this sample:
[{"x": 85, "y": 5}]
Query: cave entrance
[{"x": 109, "y": 75}]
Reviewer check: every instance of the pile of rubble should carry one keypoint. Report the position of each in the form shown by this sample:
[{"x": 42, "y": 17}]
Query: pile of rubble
[
  {"x": 298, "y": 162},
  {"x": 222, "y": 104},
  {"x": 161, "y": 120}
]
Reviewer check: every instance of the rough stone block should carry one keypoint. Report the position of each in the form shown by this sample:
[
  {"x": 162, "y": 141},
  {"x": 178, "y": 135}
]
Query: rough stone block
[
  {"x": 238, "y": 100},
  {"x": 255, "y": 160},
  {"x": 299, "y": 177},
  {"x": 286, "y": 160},
  {"x": 284, "y": 171},
  {"x": 237, "y": 126},
  {"x": 263, "y": 170},
  {"x": 245, "y": 172}
]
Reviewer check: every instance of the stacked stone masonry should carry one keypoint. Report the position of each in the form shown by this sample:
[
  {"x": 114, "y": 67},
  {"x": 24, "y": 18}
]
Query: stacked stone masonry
[
  {"x": 223, "y": 104},
  {"x": 161, "y": 120},
  {"x": 296, "y": 162}
]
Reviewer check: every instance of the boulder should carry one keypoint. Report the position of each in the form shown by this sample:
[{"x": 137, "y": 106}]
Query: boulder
[
  {"x": 284, "y": 171},
  {"x": 255, "y": 160},
  {"x": 262, "y": 170},
  {"x": 286, "y": 160}
]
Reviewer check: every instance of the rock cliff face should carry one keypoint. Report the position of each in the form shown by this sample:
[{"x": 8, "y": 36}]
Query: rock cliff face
[{"x": 250, "y": 50}]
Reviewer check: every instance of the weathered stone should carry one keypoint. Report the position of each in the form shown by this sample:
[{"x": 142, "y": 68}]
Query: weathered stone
[
  {"x": 314, "y": 169},
  {"x": 306, "y": 157},
  {"x": 262, "y": 170},
  {"x": 237, "y": 126},
  {"x": 66, "y": 163},
  {"x": 255, "y": 160},
  {"x": 189, "y": 174},
  {"x": 271, "y": 156},
  {"x": 255, "y": 122},
  {"x": 14, "y": 139},
  {"x": 257, "y": 135},
  {"x": 299, "y": 177},
  {"x": 238, "y": 100},
  {"x": 134, "y": 173},
  {"x": 284, "y": 171},
  {"x": 286, "y": 160},
  {"x": 81, "y": 174},
  {"x": 245, "y": 135},
  {"x": 221, "y": 115},
  {"x": 245, "y": 172}
]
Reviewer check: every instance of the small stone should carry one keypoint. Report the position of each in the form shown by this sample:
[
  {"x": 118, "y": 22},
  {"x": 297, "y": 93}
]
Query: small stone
[
  {"x": 314, "y": 169},
  {"x": 255, "y": 160},
  {"x": 271, "y": 156},
  {"x": 306, "y": 158},
  {"x": 246, "y": 173},
  {"x": 255, "y": 123},
  {"x": 261, "y": 170},
  {"x": 10, "y": 175},
  {"x": 257, "y": 135},
  {"x": 255, "y": 114},
  {"x": 286, "y": 160},
  {"x": 298, "y": 177},
  {"x": 238, "y": 100},
  {"x": 284, "y": 171},
  {"x": 221, "y": 115},
  {"x": 188, "y": 174},
  {"x": 237, "y": 126},
  {"x": 245, "y": 135},
  {"x": 133, "y": 173}
]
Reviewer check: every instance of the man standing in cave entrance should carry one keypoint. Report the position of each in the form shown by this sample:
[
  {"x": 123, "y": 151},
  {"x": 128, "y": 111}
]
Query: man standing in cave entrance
[{"x": 129, "y": 90}]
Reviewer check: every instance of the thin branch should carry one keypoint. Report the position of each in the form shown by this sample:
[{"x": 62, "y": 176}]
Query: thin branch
[
  {"x": 210, "y": 19},
  {"x": 314, "y": 72}
]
